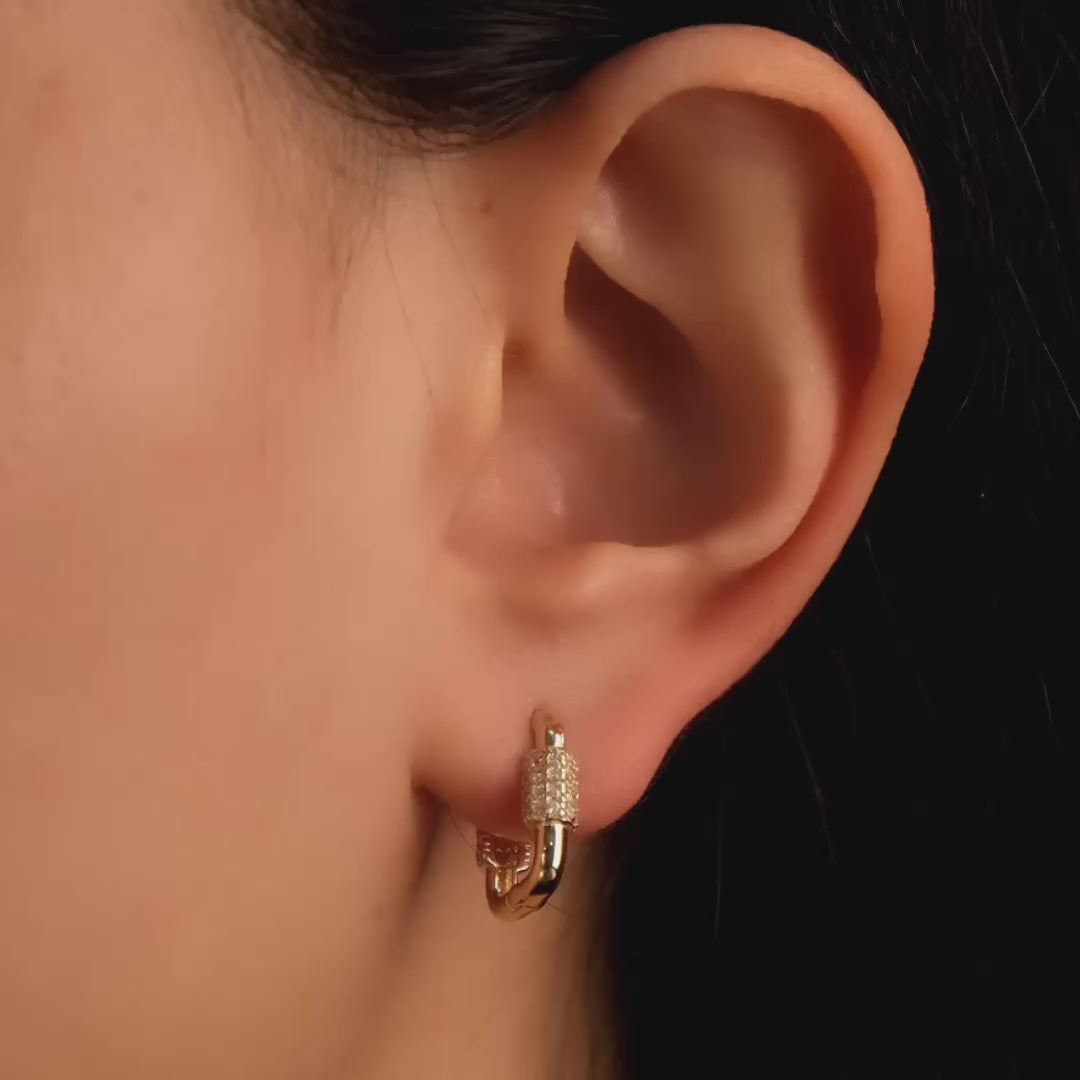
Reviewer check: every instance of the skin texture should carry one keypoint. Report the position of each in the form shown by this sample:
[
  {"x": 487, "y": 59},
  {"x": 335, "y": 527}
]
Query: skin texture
[{"x": 322, "y": 464}]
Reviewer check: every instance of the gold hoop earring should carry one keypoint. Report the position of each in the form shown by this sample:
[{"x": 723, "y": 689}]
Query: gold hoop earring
[{"x": 521, "y": 876}]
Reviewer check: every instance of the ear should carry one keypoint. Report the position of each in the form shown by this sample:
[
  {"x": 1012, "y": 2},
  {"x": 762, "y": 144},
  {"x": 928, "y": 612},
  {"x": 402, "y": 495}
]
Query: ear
[{"x": 711, "y": 268}]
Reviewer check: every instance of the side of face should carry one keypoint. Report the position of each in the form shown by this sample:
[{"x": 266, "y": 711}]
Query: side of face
[
  {"x": 209, "y": 554},
  {"x": 321, "y": 465}
]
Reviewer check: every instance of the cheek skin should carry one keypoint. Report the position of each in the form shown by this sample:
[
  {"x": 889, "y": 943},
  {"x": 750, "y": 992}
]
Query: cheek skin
[
  {"x": 139, "y": 317},
  {"x": 202, "y": 586}
]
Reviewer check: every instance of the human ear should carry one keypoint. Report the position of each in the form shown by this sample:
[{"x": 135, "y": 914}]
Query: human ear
[{"x": 714, "y": 281}]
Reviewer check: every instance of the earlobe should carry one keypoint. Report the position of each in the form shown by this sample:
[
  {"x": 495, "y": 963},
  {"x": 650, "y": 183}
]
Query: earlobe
[{"x": 732, "y": 274}]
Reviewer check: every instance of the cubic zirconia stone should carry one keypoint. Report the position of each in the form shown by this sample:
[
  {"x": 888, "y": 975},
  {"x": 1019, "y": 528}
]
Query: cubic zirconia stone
[{"x": 549, "y": 786}]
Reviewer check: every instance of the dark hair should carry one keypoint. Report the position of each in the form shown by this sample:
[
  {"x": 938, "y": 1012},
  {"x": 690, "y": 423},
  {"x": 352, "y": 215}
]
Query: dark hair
[{"x": 873, "y": 835}]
